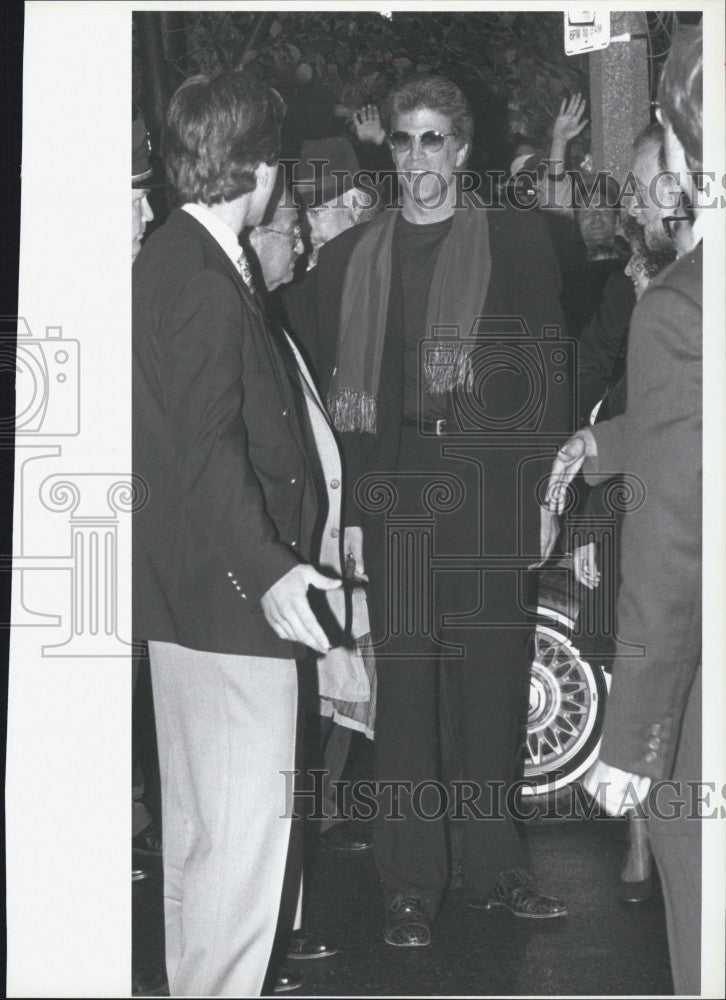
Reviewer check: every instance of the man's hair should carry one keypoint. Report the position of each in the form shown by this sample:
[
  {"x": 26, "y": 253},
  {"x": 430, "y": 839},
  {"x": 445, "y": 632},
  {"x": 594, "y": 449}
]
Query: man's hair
[
  {"x": 599, "y": 190},
  {"x": 422, "y": 90},
  {"x": 217, "y": 133},
  {"x": 680, "y": 92}
]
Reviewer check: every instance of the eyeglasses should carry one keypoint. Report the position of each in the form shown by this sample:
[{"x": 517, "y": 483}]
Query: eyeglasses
[
  {"x": 670, "y": 222},
  {"x": 295, "y": 232},
  {"x": 431, "y": 142}
]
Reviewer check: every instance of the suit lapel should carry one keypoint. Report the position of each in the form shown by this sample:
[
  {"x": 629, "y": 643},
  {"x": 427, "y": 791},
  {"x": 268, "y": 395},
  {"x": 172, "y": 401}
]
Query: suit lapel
[
  {"x": 186, "y": 219},
  {"x": 281, "y": 353},
  {"x": 281, "y": 358}
]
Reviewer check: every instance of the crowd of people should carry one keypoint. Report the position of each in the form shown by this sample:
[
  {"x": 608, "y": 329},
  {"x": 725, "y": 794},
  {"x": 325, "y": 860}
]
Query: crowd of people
[{"x": 334, "y": 416}]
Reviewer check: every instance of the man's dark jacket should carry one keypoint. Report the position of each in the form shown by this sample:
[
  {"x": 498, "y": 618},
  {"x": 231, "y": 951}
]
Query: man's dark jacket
[
  {"x": 659, "y": 441},
  {"x": 220, "y": 443},
  {"x": 524, "y": 283},
  {"x": 604, "y": 344}
]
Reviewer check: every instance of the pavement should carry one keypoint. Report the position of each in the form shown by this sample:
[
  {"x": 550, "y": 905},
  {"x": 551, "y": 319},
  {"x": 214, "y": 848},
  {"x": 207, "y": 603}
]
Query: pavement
[{"x": 602, "y": 948}]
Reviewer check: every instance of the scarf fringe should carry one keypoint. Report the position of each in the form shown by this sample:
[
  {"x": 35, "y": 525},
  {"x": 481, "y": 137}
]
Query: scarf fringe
[
  {"x": 449, "y": 367},
  {"x": 353, "y": 410}
]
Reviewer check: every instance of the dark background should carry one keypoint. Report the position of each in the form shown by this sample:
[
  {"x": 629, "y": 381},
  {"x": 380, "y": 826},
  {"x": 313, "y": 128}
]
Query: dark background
[{"x": 11, "y": 65}]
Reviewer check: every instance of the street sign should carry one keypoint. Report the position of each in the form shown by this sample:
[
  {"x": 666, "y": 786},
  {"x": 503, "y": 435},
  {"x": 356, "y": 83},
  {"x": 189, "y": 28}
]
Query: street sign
[{"x": 586, "y": 31}]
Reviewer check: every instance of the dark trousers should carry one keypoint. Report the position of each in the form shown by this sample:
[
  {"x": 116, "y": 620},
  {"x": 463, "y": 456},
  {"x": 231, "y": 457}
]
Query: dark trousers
[
  {"x": 445, "y": 713},
  {"x": 456, "y": 725},
  {"x": 140, "y": 815},
  {"x": 335, "y": 746},
  {"x": 674, "y": 828}
]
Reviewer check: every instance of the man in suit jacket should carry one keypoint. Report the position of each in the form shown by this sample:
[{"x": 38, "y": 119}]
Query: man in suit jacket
[
  {"x": 380, "y": 296},
  {"x": 222, "y": 543},
  {"x": 652, "y": 727}
]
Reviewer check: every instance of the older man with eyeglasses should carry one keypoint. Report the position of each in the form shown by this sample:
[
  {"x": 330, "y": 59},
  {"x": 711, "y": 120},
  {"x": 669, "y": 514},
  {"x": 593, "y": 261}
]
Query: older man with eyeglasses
[{"x": 420, "y": 306}]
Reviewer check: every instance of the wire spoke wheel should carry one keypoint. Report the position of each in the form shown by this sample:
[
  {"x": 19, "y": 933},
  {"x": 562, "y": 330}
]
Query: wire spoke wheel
[{"x": 566, "y": 707}]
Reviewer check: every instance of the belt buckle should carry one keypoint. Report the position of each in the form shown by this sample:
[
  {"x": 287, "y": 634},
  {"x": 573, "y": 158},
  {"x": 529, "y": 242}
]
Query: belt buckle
[{"x": 440, "y": 426}]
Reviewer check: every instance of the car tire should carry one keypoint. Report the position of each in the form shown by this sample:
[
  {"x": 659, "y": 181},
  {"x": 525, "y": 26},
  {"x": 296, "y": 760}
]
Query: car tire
[{"x": 567, "y": 697}]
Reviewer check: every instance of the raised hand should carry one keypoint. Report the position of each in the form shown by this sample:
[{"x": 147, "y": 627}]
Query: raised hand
[
  {"x": 286, "y": 608},
  {"x": 568, "y": 122},
  {"x": 367, "y": 125}
]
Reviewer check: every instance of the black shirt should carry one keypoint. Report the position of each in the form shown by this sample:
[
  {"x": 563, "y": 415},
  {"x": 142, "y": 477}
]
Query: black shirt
[{"x": 416, "y": 250}]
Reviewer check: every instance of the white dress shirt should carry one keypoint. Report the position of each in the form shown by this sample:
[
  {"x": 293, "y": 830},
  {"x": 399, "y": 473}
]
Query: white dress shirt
[{"x": 216, "y": 228}]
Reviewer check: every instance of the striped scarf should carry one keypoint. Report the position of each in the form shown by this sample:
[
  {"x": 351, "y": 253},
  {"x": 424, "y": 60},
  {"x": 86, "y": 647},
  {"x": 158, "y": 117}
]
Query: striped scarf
[{"x": 458, "y": 292}]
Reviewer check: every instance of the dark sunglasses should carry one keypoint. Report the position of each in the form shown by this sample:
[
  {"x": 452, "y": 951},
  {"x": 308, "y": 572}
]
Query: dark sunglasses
[{"x": 430, "y": 141}]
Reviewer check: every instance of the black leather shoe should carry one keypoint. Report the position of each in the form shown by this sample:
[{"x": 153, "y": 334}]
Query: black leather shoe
[
  {"x": 303, "y": 948},
  {"x": 287, "y": 981},
  {"x": 145, "y": 865},
  {"x": 139, "y": 870},
  {"x": 636, "y": 892},
  {"x": 406, "y": 924},
  {"x": 345, "y": 837},
  {"x": 149, "y": 981},
  {"x": 636, "y": 878},
  {"x": 515, "y": 892},
  {"x": 148, "y": 841}
]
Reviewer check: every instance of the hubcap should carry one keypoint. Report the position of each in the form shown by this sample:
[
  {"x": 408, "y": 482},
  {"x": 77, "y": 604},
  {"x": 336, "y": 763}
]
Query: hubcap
[{"x": 563, "y": 701}]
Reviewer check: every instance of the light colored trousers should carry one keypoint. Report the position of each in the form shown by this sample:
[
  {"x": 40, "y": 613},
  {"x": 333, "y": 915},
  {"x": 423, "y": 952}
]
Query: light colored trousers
[{"x": 225, "y": 730}]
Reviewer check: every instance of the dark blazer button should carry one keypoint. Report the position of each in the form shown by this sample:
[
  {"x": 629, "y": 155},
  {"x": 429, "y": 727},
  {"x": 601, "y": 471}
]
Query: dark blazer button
[{"x": 651, "y": 756}]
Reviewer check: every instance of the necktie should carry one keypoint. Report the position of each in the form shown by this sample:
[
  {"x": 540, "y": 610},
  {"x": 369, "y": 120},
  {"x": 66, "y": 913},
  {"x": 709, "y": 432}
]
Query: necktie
[{"x": 244, "y": 269}]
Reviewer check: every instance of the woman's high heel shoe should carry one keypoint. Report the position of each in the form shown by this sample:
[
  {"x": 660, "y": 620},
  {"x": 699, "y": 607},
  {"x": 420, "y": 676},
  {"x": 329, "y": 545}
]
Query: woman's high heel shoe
[{"x": 636, "y": 878}]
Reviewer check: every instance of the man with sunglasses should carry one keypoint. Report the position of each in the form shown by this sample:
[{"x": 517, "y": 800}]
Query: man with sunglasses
[{"x": 401, "y": 301}]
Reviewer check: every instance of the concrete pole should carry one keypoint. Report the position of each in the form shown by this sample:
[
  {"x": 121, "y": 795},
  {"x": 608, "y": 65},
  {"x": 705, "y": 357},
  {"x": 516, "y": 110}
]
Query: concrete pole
[{"x": 619, "y": 96}]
